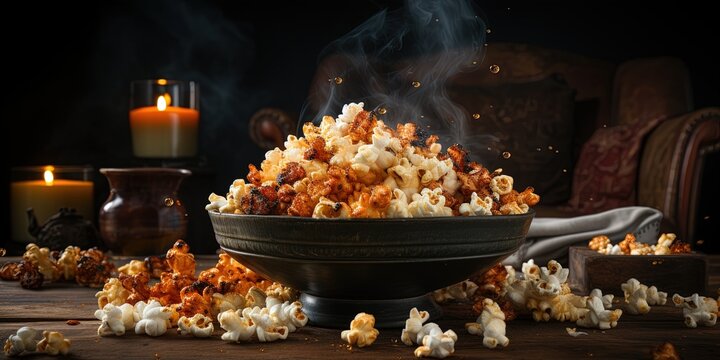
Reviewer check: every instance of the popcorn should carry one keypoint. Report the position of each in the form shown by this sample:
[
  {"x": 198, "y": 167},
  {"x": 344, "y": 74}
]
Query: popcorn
[
  {"x": 267, "y": 329},
  {"x": 436, "y": 343},
  {"x": 598, "y": 316},
  {"x": 491, "y": 324},
  {"x": 413, "y": 326},
  {"x": 198, "y": 326},
  {"x": 477, "y": 206},
  {"x": 288, "y": 315},
  {"x": 115, "y": 319},
  {"x": 370, "y": 154},
  {"x": 133, "y": 267},
  {"x": 237, "y": 324},
  {"x": 362, "y": 331},
  {"x": 606, "y": 299},
  {"x": 112, "y": 293},
  {"x": 154, "y": 318},
  {"x": 665, "y": 351},
  {"x": 663, "y": 244},
  {"x": 460, "y": 291},
  {"x": 429, "y": 203},
  {"x": 599, "y": 243},
  {"x": 54, "y": 343},
  {"x": 23, "y": 340},
  {"x": 41, "y": 258},
  {"x": 228, "y": 301},
  {"x": 639, "y": 297},
  {"x": 574, "y": 333},
  {"x": 67, "y": 263},
  {"x": 697, "y": 310}
]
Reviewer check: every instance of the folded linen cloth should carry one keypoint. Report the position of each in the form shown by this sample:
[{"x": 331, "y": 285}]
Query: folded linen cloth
[{"x": 550, "y": 238}]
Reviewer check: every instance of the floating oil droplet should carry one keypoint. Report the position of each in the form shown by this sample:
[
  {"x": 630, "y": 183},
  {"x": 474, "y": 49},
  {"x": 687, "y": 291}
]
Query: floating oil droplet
[
  {"x": 557, "y": 151},
  {"x": 494, "y": 69},
  {"x": 550, "y": 147},
  {"x": 489, "y": 148},
  {"x": 437, "y": 20},
  {"x": 416, "y": 84},
  {"x": 476, "y": 116},
  {"x": 474, "y": 62},
  {"x": 506, "y": 154},
  {"x": 169, "y": 201},
  {"x": 538, "y": 148},
  {"x": 338, "y": 80},
  {"x": 488, "y": 31},
  {"x": 382, "y": 111},
  {"x": 485, "y": 44},
  {"x": 564, "y": 170}
]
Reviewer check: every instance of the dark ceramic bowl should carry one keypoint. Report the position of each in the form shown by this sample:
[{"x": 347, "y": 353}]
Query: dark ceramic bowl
[{"x": 379, "y": 266}]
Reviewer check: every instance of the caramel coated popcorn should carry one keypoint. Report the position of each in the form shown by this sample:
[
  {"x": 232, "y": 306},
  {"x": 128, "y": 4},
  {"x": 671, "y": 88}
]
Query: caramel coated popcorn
[{"x": 355, "y": 166}]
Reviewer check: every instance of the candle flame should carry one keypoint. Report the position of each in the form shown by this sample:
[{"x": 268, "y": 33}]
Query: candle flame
[
  {"x": 162, "y": 102},
  {"x": 48, "y": 175}
]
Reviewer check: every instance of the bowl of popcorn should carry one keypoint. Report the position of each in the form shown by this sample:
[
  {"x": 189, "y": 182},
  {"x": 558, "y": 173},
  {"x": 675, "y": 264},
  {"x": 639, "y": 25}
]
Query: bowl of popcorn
[{"x": 359, "y": 216}]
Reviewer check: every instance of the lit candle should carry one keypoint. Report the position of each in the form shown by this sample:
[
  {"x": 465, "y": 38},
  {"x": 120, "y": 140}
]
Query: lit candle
[
  {"x": 46, "y": 197},
  {"x": 164, "y": 131}
]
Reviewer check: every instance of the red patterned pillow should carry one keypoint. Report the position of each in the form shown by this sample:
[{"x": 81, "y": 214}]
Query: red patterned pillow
[{"x": 606, "y": 173}]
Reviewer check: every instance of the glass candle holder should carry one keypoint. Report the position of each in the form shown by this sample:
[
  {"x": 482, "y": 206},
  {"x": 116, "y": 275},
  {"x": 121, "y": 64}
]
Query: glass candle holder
[
  {"x": 164, "y": 117},
  {"x": 46, "y": 189}
]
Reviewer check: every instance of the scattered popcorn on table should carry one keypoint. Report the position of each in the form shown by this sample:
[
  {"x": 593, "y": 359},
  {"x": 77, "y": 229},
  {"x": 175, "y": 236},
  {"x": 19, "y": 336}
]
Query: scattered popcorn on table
[
  {"x": 115, "y": 319},
  {"x": 598, "y": 316},
  {"x": 154, "y": 318},
  {"x": 54, "y": 343},
  {"x": 23, "y": 340},
  {"x": 697, "y": 310},
  {"x": 67, "y": 262},
  {"x": 461, "y": 291},
  {"x": 436, "y": 343},
  {"x": 288, "y": 314},
  {"x": 112, "y": 292},
  {"x": 357, "y": 166},
  {"x": 198, "y": 326},
  {"x": 573, "y": 332},
  {"x": 606, "y": 299},
  {"x": 639, "y": 297},
  {"x": 267, "y": 329},
  {"x": 362, "y": 331},
  {"x": 413, "y": 326},
  {"x": 237, "y": 324},
  {"x": 224, "y": 302},
  {"x": 491, "y": 324},
  {"x": 133, "y": 267},
  {"x": 41, "y": 258}
]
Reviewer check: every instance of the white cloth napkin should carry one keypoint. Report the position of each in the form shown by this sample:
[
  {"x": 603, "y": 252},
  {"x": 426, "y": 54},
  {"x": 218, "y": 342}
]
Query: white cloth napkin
[{"x": 550, "y": 238}]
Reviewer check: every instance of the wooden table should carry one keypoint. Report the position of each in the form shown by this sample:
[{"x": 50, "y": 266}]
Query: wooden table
[{"x": 634, "y": 337}]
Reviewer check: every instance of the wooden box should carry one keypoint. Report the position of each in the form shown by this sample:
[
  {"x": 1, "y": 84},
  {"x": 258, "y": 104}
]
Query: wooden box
[{"x": 684, "y": 273}]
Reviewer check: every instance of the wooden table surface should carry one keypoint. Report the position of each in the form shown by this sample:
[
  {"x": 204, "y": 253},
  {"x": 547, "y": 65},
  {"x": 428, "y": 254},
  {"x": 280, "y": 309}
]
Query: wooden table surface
[{"x": 634, "y": 337}]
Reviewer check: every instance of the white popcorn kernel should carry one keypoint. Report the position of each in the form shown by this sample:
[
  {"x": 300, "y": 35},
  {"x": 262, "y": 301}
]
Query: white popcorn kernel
[
  {"x": 697, "y": 310},
  {"x": 237, "y": 326},
  {"x": 639, "y": 297},
  {"x": 606, "y": 299},
  {"x": 663, "y": 244},
  {"x": 154, "y": 319},
  {"x": 436, "y": 344},
  {"x": 115, "y": 319},
  {"x": 461, "y": 291},
  {"x": 289, "y": 315},
  {"x": 413, "y": 325},
  {"x": 328, "y": 209},
  {"x": 216, "y": 202},
  {"x": 198, "y": 326},
  {"x": 23, "y": 340},
  {"x": 112, "y": 293},
  {"x": 502, "y": 184},
  {"x": 54, "y": 343},
  {"x": 491, "y": 324},
  {"x": 362, "y": 331},
  {"x": 266, "y": 328},
  {"x": 429, "y": 203},
  {"x": 568, "y": 307},
  {"x": 224, "y": 302},
  {"x": 573, "y": 332},
  {"x": 398, "y": 205},
  {"x": 406, "y": 177},
  {"x": 477, "y": 206},
  {"x": 349, "y": 112},
  {"x": 598, "y": 316}
]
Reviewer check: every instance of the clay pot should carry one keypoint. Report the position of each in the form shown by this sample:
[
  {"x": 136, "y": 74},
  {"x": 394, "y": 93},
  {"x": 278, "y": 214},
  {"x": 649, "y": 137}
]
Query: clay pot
[{"x": 143, "y": 215}]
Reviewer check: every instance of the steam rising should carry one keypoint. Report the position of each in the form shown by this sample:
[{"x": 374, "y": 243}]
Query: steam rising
[{"x": 401, "y": 61}]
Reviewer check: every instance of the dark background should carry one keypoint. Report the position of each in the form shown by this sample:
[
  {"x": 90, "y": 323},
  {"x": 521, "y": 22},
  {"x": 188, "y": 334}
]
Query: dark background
[{"x": 68, "y": 66}]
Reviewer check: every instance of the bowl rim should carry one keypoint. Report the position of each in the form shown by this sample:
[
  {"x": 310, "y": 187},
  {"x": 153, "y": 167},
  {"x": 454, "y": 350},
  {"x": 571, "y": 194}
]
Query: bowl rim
[
  {"x": 390, "y": 260},
  {"x": 531, "y": 213}
]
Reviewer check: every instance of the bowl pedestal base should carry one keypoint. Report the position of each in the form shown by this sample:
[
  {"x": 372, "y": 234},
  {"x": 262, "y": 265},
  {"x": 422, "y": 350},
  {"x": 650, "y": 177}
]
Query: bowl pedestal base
[{"x": 389, "y": 313}]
